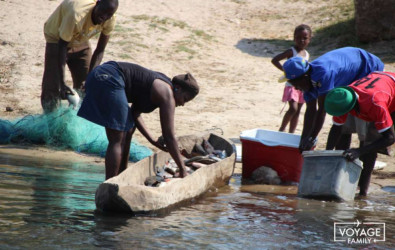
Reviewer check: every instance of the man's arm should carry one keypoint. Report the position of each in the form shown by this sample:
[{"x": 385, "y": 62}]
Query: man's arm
[
  {"x": 162, "y": 94},
  {"x": 140, "y": 124},
  {"x": 387, "y": 139},
  {"x": 319, "y": 117},
  {"x": 166, "y": 111},
  {"x": 333, "y": 137},
  {"x": 313, "y": 121},
  {"x": 62, "y": 57},
  {"x": 99, "y": 51},
  {"x": 308, "y": 124}
]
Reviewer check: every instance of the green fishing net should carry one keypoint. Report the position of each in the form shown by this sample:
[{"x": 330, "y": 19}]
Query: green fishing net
[{"x": 63, "y": 129}]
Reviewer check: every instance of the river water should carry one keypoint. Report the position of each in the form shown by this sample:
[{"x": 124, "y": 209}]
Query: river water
[{"x": 50, "y": 205}]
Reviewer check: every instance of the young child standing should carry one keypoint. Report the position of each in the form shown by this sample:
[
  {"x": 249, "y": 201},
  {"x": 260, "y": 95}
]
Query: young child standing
[{"x": 294, "y": 97}]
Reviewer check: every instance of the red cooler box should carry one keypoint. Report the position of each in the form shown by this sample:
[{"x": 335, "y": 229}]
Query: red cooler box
[{"x": 277, "y": 150}]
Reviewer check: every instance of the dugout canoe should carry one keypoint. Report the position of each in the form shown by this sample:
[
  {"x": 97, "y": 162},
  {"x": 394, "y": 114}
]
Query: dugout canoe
[{"x": 127, "y": 192}]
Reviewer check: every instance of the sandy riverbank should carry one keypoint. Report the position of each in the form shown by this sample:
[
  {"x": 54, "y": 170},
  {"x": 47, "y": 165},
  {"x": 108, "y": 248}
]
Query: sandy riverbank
[{"x": 226, "y": 45}]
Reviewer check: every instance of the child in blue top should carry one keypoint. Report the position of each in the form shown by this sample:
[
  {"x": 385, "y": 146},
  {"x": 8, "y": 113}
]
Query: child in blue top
[{"x": 294, "y": 97}]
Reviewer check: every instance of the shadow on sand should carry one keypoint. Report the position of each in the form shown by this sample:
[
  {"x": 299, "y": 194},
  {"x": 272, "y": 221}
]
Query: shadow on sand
[{"x": 325, "y": 39}]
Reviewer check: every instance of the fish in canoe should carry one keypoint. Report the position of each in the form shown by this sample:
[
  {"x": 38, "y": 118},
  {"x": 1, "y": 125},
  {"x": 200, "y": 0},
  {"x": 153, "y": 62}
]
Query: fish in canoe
[{"x": 129, "y": 193}]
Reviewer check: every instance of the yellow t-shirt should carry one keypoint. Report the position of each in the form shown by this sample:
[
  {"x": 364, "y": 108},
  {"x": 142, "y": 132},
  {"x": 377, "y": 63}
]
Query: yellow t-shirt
[{"x": 72, "y": 22}]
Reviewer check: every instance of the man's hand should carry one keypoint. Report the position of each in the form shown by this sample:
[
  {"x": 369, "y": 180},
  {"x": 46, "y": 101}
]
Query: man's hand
[
  {"x": 82, "y": 88},
  {"x": 64, "y": 91},
  {"x": 352, "y": 154},
  {"x": 307, "y": 144},
  {"x": 183, "y": 172},
  {"x": 160, "y": 143}
]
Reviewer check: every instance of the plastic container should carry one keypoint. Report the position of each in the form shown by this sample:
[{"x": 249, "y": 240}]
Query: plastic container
[
  {"x": 277, "y": 150},
  {"x": 327, "y": 175}
]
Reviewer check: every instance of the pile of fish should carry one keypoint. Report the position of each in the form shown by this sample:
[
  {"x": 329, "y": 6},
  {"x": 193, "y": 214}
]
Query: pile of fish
[{"x": 201, "y": 155}]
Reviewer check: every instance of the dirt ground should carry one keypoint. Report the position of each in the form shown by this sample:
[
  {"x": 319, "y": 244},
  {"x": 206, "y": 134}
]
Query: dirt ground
[{"x": 227, "y": 45}]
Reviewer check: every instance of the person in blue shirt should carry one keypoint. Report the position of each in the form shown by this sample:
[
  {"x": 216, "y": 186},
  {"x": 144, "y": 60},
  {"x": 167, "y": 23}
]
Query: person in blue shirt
[{"x": 336, "y": 68}]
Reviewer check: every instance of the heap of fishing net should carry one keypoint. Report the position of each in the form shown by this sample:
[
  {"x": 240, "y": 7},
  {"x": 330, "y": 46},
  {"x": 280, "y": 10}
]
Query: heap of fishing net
[{"x": 63, "y": 129}]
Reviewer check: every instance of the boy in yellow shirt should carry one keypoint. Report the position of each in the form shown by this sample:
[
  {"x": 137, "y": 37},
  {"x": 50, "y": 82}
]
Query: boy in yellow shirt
[{"x": 67, "y": 32}]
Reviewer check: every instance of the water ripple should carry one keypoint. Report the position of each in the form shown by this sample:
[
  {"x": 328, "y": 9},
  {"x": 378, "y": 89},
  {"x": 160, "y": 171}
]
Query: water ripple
[{"x": 51, "y": 205}]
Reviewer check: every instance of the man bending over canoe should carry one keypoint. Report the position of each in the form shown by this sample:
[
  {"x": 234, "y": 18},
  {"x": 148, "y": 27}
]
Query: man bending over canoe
[{"x": 110, "y": 88}]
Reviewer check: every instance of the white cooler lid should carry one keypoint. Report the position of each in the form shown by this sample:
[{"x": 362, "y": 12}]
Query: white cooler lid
[{"x": 271, "y": 138}]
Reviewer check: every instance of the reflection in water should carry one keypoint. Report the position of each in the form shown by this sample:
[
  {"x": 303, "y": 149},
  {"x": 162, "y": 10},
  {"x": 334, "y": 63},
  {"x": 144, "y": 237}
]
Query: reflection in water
[
  {"x": 40, "y": 198},
  {"x": 51, "y": 205}
]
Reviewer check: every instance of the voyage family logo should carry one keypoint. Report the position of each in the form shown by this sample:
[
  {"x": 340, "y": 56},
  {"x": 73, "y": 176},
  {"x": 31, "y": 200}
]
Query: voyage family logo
[{"x": 359, "y": 232}]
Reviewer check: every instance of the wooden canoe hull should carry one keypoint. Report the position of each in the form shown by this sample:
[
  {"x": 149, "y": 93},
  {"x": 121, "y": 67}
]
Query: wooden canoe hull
[{"x": 127, "y": 192}]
